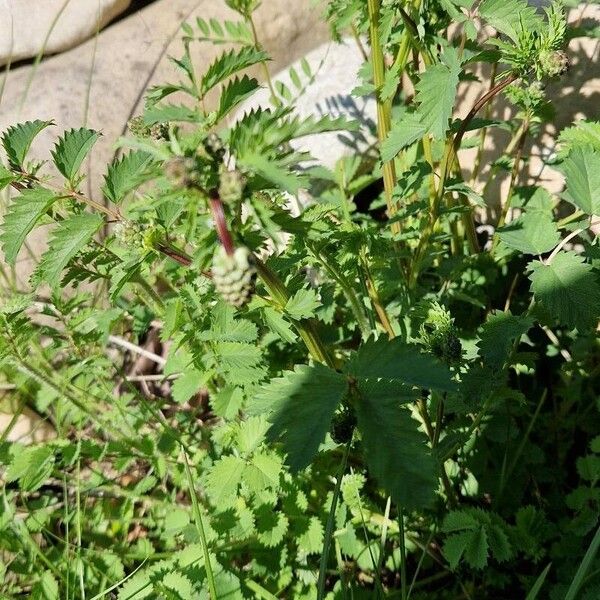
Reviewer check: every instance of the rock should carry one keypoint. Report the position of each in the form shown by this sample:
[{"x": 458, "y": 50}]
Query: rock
[
  {"x": 24, "y": 32},
  {"x": 102, "y": 82}
]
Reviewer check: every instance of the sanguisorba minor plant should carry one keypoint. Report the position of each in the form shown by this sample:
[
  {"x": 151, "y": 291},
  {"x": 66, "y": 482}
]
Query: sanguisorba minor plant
[{"x": 254, "y": 403}]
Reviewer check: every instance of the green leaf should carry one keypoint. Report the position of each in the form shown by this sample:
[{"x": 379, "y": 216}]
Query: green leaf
[
  {"x": 277, "y": 323},
  {"x": 71, "y": 149},
  {"x": 510, "y": 16},
  {"x": 436, "y": 92},
  {"x": 18, "y": 139},
  {"x": 223, "y": 480},
  {"x": 403, "y": 133},
  {"x": 583, "y": 133},
  {"x": 397, "y": 362},
  {"x": 273, "y": 172},
  {"x": 31, "y": 467},
  {"x": 311, "y": 541},
  {"x": 568, "y": 288},
  {"x": 166, "y": 113},
  {"x": 6, "y": 177},
  {"x": 23, "y": 214},
  {"x": 236, "y": 91},
  {"x": 300, "y": 406},
  {"x": 582, "y": 172},
  {"x": 394, "y": 449},
  {"x": 126, "y": 174},
  {"x": 186, "y": 386},
  {"x": 498, "y": 335},
  {"x": 229, "y": 63},
  {"x": 531, "y": 233},
  {"x": 227, "y": 402},
  {"x": 303, "y": 304},
  {"x": 66, "y": 241},
  {"x": 263, "y": 472},
  {"x": 46, "y": 588}
]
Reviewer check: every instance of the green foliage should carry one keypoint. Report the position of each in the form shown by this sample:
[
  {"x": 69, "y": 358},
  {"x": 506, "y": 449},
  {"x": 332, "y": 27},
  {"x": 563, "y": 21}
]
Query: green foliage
[
  {"x": 249, "y": 395},
  {"x": 568, "y": 288},
  {"x": 71, "y": 150},
  {"x": 22, "y": 216},
  {"x": 17, "y": 140}
]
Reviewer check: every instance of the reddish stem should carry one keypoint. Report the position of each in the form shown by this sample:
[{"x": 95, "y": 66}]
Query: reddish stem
[{"x": 218, "y": 214}]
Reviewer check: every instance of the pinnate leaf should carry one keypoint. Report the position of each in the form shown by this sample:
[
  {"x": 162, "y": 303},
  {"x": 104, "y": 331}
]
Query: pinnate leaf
[
  {"x": 18, "y": 139},
  {"x": 568, "y": 288},
  {"x": 22, "y": 216},
  {"x": 229, "y": 63},
  {"x": 126, "y": 174},
  {"x": 66, "y": 241},
  {"x": 71, "y": 149}
]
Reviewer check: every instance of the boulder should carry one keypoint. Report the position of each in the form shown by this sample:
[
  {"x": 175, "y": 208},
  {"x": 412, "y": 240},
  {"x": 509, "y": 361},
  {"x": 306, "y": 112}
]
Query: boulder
[{"x": 54, "y": 25}]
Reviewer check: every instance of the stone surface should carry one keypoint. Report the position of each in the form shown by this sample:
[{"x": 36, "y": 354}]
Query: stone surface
[
  {"x": 54, "y": 25},
  {"x": 101, "y": 83}
]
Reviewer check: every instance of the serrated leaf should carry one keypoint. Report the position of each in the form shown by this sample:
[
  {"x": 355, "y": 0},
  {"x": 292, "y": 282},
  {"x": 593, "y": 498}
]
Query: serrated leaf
[
  {"x": 273, "y": 172},
  {"x": 167, "y": 113},
  {"x": 71, "y": 149},
  {"x": 271, "y": 526},
  {"x": 6, "y": 177},
  {"x": 229, "y": 63},
  {"x": 403, "y": 133},
  {"x": 436, "y": 93},
  {"x": 498, "y": 335},
  {"x": 582, "y": 172},
  {"x": 300, "y": 406},
  {"x": 227, "y": 402},
  {"x": 18, "y": 139},
  {"x": 186, "y": 385},
  {"x": 583, "y": 133},
  {"x": 66, "y": 241},
  {"x": 223, "y": 480},
  {"x": 303, "y": 304},
  {"x": 395, "y": 450},
  {"x": 240, "y": 360},
  {"x": 235, "y": 92},
  {"x": 179, "y": 585},
  {"x": 568, "y": 288},
  {"x": 23, "y": 213},
  {"x": 510, "y": 16},
  {"x": 311, "y": 541},
  {"x": 126, "y": 174},
  {"x": 263, "y": 472},
  {"x": 401, "y": 363},
  {"x": 277, "y": 323},
  {"x": 531, "y": 233},
  {"x": 31, "y": 467}
]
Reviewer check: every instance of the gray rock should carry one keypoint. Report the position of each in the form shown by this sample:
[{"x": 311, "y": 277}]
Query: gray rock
[{"x": 54, "y": 25}]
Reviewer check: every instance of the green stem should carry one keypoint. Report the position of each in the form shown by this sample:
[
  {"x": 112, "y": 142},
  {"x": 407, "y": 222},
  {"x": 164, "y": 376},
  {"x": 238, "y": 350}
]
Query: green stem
[
  {"x": 403, "y": 583},
  {"x": 305, "y": 327},
  {"x": 383, "y": 109},
  {"x": 331, "y": 523}
]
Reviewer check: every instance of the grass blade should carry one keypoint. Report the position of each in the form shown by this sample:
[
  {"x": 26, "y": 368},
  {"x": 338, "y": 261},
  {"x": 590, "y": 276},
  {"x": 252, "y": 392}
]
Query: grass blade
[
  {"x": 200, "y": 527},
  {"x": 539, "y": 582},
  {"x": 584, "y": 566}
]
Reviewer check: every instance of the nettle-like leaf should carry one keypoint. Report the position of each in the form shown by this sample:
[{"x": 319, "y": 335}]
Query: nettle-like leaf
[
  {"x": 31, "y": 467},
  {"x": 126, "y": 174},
  {"x": 71, "y": 149},
  {"x": 510, "y": 16},
  {"x": 66, "y": 241},
  {"x": 582, "y": 134},
  {"x": 404, "y": 132},
  {"x": 531, "y": 233},
  {"x": 582, "y": 172},
  {"x": 303, "y": 304},
  {"x": 230, "y": 63},
  {"x": 395, "y": 450},
  {"x": 23, "y": 213},
  {"x": 400, "y": 363},
  {"x": 436, "y": 93},
  {"x": 498, "y": 335},
  {"x": 568, "y": 288},
  {"x": 235, "y": 92},
  {"x": 300, "y": 406},
  {"x": 474, "y": 534},
  {"x": 17, "y": 140}
]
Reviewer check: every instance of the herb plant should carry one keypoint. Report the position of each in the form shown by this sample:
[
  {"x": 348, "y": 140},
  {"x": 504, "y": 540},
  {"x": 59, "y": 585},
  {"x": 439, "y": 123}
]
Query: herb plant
[{"x": 366, "y": 399}]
